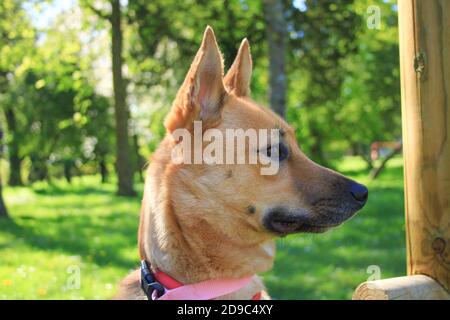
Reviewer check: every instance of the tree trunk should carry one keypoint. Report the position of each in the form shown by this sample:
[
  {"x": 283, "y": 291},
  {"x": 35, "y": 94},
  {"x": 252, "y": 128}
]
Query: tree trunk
[
  {"x": 317, "y": 153},
  {"x": 15, "y": 177},
  {"x": 140, "y": 161},
  {"x": 103, "y": 170},
  {"x": 368, "y": 161},
  {"x": 3, "y": 211},
  {"x": 39, "y": 169},
  {"x": 364, "y": 152},
  {"x": 68, "y": 171},
  {"x": 276, "y": 37},
  {"x": 123, "y": 161}
]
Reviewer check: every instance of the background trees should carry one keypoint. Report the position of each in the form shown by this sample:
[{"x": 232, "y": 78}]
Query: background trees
[
  {"x": 86, "y": 92},
  {"x": 16, "y": 42}
]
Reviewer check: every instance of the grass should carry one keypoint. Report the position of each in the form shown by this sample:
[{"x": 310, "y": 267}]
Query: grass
[{"x": 60, "y": 231}]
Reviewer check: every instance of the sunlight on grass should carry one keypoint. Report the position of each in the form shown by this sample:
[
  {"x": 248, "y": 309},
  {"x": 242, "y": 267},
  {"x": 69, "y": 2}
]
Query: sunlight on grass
[
  {"x": 60, "y": 226},
  {"x": 56, "y": 228}
]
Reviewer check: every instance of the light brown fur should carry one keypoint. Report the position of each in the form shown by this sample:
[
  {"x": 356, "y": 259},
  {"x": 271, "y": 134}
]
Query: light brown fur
[{"x": 195, "y": 224}]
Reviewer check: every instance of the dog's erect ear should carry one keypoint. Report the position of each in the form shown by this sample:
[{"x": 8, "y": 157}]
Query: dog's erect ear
[
  {"x": 200, "y": 97},
  {"x": 239, "y": 76}
]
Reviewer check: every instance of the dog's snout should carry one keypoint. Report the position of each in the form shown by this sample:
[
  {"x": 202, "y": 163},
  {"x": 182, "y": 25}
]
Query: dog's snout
[{"x": 358, "y": 191}]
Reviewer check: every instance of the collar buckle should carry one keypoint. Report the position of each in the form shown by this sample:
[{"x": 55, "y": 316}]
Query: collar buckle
[{"x": 152, "y": 288}]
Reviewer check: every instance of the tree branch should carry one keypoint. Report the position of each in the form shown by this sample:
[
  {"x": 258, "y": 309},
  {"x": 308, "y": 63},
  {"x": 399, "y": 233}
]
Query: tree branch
[
  {"x": 376, "y": 171},
  {"x": 102, "y": 14}
]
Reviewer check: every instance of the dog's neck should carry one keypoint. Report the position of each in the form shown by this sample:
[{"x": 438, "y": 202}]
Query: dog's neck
[
  {"x": 190, "y": 258},
  {"x": 199, "y": 251}
]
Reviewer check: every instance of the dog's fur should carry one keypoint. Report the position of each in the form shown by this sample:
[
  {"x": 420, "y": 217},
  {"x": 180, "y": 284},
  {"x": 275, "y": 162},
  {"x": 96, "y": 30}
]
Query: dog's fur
[{"x": 201, "y": 222}]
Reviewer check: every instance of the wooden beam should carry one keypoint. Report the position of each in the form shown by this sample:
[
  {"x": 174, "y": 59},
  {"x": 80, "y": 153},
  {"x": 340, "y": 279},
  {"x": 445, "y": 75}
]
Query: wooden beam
[
  {"x": 417, "y": 287},
  {"x": 424, "y": 28}
]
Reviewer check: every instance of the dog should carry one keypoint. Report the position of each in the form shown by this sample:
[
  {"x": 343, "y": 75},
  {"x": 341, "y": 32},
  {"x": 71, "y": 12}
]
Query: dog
[{"x": 203, "y": 222}]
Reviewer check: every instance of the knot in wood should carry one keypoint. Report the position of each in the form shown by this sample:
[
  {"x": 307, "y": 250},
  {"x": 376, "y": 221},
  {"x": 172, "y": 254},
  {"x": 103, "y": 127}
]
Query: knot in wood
[
  {"x": 438, "y": 245},
  {"x": 419, "y": 63}
]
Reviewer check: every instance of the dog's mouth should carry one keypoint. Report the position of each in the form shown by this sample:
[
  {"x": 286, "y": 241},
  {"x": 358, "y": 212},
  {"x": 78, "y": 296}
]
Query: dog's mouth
[
  {"x": 284, "y": 226},
  {"x": 282, "y": 221}
]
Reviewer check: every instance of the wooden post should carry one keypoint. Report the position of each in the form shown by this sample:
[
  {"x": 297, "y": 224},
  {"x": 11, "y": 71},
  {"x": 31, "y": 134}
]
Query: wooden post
[{"x": 424, "y": 28}]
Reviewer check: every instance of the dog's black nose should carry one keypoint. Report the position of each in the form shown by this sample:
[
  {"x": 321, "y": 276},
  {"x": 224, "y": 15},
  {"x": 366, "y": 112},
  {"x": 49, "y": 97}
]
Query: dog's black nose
[{"x": 358, "y": 192}]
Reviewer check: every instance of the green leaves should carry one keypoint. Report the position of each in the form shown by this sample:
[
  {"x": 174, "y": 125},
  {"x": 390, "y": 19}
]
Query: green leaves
[
  {"x": 49, "y": 90},
  {"x": 343, "y": 77}
]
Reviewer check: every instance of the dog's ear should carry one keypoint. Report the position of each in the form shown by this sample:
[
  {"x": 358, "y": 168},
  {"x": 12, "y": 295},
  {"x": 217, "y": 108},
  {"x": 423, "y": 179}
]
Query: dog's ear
[
  {"x": 239, "y": 76},
  {"x": 201, "y": 95}
]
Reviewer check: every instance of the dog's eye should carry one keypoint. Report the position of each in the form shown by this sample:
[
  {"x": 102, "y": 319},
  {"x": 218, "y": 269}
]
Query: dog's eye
[{"x": 280, "y": 150}]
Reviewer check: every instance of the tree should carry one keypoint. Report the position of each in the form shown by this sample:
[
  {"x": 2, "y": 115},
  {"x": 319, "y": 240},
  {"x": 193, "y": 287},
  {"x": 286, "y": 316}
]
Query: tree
[
  {"x": 16, "y": 42},
  {"x": 100, "y": 126},
  {"x": 277, "y": 38},
  {"x": 375, "y": 172},
  {"x": 61, "y": 122},
  {"x": 3, "y": 211},
  {"x": 15, "y": 159},
  {"x": 124, "y": 166}
]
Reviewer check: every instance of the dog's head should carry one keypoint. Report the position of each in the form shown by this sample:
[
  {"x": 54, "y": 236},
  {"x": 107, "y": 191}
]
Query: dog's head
[{"x": 236, "y": 199}]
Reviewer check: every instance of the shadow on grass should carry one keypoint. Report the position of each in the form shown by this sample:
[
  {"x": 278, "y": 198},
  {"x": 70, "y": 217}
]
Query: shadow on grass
[
  {"x": 56, "y": 191},
  {"x": 89, "y": 222},
  {"x": 94, "y": 239}
]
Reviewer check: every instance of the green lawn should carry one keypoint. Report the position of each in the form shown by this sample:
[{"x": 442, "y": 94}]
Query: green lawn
[{"x": 57, "y": 231}]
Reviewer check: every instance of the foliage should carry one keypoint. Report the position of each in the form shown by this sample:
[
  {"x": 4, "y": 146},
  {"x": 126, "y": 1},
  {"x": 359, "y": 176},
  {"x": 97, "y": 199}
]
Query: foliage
[
  {"x": 335, "y": 99},
  {"x": 16, "y": 35},
  {"x": 170, "y": 42},
  {"x": 16, "y": 43},
  {"x": 371, "y": 90},
  {"x": 60, "y": 119},
  {"x": 337, "y": 68}
]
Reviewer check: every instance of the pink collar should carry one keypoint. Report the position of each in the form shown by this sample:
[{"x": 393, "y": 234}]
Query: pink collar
[{"x": 172, "y": 289}]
